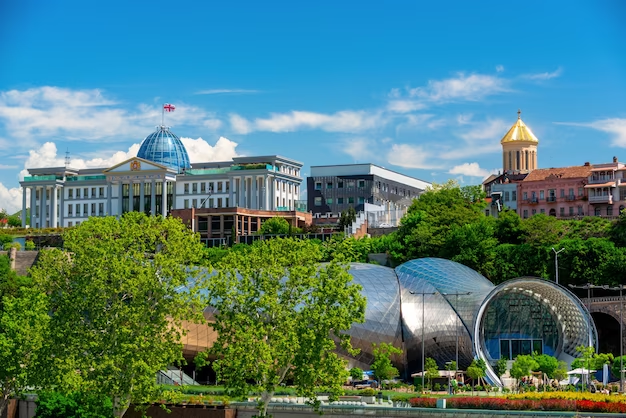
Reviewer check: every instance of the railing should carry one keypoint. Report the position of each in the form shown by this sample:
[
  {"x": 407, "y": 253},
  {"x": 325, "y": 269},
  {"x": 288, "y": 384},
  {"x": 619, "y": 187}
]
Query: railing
[
  {"x": 571, "y": 197},
  {"x": 603, "y": 179},
  {"x": 551, "y": 199},
  {"x": 532, "y": 200},
  {"x": 85, "y": 178},
  {"x": 42, "y": 178},
  {"x": 601, "y": 199}
]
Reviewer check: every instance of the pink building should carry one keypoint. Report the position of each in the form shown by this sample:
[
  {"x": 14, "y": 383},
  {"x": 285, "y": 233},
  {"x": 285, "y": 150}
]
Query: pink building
[{"x": 556, "y": 192}]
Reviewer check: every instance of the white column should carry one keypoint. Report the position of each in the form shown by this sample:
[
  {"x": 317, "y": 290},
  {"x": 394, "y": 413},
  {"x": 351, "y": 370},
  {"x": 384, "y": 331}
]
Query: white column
[
  {"x": 153, "y": 198},
  {"x": 24, "y": 207},
  {"x": 164, "y": 199},
  {"x": 109, "y": 194},
  {"x": 231, "y": 198},
  {"x": 33, "y": 204},
  {"x": 241, "y": 190},
  {"x": 266, "y": 194},
  {"x": 142, "y": 196},
  {"x": 131, "y": 205},
  {"x": 174, "y": 195},
  {"x": 53, "y": 207},
  {"x": 254, "y": 199},
  {"x": 119, "y": 199},
  {"x": 42, "y": 207},
  {"x": 61, "y": 212}
]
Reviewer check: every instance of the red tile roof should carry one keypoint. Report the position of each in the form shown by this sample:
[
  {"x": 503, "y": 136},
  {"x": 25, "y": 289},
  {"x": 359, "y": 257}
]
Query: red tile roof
[{"x": 577, "y": 171}]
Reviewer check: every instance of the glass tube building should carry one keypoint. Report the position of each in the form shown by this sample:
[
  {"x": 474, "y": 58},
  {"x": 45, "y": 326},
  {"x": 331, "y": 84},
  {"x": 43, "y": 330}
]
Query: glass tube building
[{"x": 449, "y": 308}]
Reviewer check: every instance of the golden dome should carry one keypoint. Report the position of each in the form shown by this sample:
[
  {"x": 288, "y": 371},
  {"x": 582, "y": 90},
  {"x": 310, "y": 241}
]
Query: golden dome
[{"x": 519, "y": 132}]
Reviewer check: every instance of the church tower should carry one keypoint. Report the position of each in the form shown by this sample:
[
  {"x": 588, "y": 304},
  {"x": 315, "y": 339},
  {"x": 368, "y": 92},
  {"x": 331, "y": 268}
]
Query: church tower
[{"x": 519, "y": 148}]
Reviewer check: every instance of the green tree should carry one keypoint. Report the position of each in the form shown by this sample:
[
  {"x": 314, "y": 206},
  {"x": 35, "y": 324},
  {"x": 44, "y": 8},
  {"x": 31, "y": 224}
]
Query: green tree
[
  {"x": 348, "y": 216},
  {"x": 472, "y": 245},
  {"x": 280, "y": 316},
  {"x": 586, "y": 354},
  {"x": 617, "y": 363},
  {"x": 73, "y": 405},
  {"x": 542, "y": 230},
  {"x": 23, "y": 323},
  {"x": 501, "y": 366},
  {"x": 117, "y": 304},
  {"x": 522, "y": 366},
  {"x": 476, "y": 371},
  {"x": 546, "y": 364},
  {"x": 508, "y": 228},
  {"x": 588, "y": 227},
  {"x": 382, "y": 367},
  {"x": 275, "y": 226},
  {"x": 560, "y": 373},
  {"x": 432, "y": 370},
  {"x": 356, "y": 373}
]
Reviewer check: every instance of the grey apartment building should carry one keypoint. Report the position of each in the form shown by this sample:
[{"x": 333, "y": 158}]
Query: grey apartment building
[{"x": 332, "y": 189}]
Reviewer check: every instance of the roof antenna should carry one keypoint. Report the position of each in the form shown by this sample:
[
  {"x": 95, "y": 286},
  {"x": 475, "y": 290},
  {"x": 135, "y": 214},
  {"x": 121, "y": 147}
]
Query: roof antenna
[{"x": 67, "y": 157}]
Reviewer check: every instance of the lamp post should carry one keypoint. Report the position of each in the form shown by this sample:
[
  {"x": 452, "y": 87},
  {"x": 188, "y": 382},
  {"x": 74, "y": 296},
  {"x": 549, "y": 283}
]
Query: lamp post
[
  {"x": 423, "y": 303},
  {"x": 556, "y": 263},
  {"x": 456, "y": 306},
  {"x": 621, "y": 337}
]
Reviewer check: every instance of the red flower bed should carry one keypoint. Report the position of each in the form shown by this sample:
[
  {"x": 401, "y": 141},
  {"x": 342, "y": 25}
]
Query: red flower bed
[{"x": 503, "y": 404}]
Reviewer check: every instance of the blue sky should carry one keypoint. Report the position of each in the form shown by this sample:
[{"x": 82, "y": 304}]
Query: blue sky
[{"x": 424, "y": 88}]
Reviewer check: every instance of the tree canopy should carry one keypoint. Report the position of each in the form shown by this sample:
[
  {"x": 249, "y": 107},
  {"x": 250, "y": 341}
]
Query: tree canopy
[
  {"x": 279, "y": 316},
  {"x": 275, "y": 226},
  {"x": 382, "y": 367},
  {"x": 119, "y": 291}
]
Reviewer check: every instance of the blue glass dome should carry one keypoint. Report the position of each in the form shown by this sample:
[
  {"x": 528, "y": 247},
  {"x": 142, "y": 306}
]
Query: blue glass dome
[{"x": 164, "y": 147}]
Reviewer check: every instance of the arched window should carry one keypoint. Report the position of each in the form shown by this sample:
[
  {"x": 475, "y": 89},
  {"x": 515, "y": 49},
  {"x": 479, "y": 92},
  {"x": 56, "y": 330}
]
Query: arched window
[
  {"x": 517, "y": 162},
  {"x": 552, "y": 212},
  {"x": 510, "y": 160}
]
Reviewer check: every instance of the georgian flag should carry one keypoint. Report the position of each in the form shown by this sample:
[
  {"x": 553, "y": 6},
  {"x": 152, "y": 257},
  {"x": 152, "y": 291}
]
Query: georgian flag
[{"x": 169, "y": 107}]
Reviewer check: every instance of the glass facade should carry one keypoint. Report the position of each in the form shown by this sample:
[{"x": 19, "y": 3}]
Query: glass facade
[{"x": 164, "y": 147}]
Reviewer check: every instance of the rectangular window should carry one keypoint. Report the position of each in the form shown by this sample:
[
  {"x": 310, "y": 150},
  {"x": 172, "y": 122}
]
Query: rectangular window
[
  {"x": 361, "y": 200},
  {"x": 318, "y": 201},
  {"x": 351, "y": 200},
  {"x": 211, "y": 203},
  {"x": 318, "y": 185},
  {"x": 85, "y": 209},
  {"x": 100, "y": 209},
  {"x": 340, "y": 200},
  {"x": 226, "y": 202},
  {"x": 93, "y": 209},
  {"x": 86, "y": 192},
  {"x": 227, "y": 187},
  {"x": 580, "y": 211},
  {"x": 194, "y": 188},
  {"x": 571, "y": 192},
  {"x": 194, "y": 203},
  {"x": 571, "y": 211},
  {"x": 361, "y": 183},
  {"x": 581, "y": 192},
  {"x": 77, "y": 209},
  {"x": 514, "y": 195},
  {"x": 543, "y": 211},
  {"x": 203, "y": 187},
  {"x": 329, "y": 184},
  {"x": 219, "y": 202},
  {"x": 101, "y": 191},
  {"x": 69, "y": 224},
  {"x": 70, "y": 193},
  {"x": 77, "y": 194},
  {"x": 186, "y": 188},
  {"x": 284, "y": 189},
  {"x": 562, "y": 192},
  {"x": 350, "y": 184},
  {"x": 219, "y": 187},
  {"x": 69, "y": 210},
  {"x": 186, "y": 204},
  {"x": 340, "y": 185},
  {"x": 329, "y": 201},
  {"x": 534, "y": 211},
  {"x": 561, "y": 211},
  {"x": 525, "y": 213},
  {"x": 93, "y": 192},
  {"x": 506, "y": 196},
  {"x": 525, "y": 195}
]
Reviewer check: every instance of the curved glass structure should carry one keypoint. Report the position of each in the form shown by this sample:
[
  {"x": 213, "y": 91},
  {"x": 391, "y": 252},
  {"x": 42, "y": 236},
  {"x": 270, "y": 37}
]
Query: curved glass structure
[{"x": 164, "y": 147}]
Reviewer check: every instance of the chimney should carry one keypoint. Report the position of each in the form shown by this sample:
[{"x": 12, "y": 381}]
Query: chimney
[
  {"x": 587, "y": 164},
  {"x": 614, "y": 159}
]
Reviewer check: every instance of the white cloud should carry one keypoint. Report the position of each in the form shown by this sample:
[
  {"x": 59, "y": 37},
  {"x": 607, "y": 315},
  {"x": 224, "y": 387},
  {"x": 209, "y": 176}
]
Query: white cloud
[
  {"x": 499, "y": 68},
  {"x": 84, "y": 115},
  {"x": 470, "y": 169},
  {"x": 491, "y": 129},
  {"x": 239, "y": 124},
  {"x": 201, "y": 151},
  {"x": 471, "y": 87},
  {"x": 544, "y": 76},
  {"x": 225, "y": 91},
  {"x": 411, "y": 156},
  {"x": 7, "y": 167},
  {"x": 405, "y": 106},
  {"x": 614, "y": 126},
  {"x": 360, "y": 149},
  {"x": 10, "y": 199}
]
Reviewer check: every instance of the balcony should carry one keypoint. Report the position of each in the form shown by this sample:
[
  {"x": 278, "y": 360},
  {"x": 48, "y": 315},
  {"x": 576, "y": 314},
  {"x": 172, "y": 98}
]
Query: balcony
[
  {"x": 601, "y": 199},
  {"x": 600, "y": 179},
  {"x": 532, "y": 201},
  {"x": 551, "y": 199},
  {"x": 572, "y": 197}
]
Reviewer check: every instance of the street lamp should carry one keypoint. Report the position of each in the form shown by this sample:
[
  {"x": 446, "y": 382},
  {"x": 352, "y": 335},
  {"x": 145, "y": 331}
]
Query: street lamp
[
  {"x": 556, "y": 263},
  {"x": 621, "y": 337},
  {"x": 423, "y": 303},
  {"x": 456, "y": 306}
]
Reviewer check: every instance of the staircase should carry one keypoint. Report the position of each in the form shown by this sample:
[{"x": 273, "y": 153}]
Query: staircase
[{"x": 174, "y": 376}]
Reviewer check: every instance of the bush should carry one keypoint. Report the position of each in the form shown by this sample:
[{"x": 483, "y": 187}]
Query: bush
[
  {"x": 73, "y": 405},
  {"x": 478, "y": 388},
  {"x": 10, "y": 245},
  {"x": 423, "y": 402},
  {"x": 437, "y": 387},
  {"x": 29, "y": 245},
  {"x": 5, "y": 239},
  {"x": 367, "y": 392}
]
